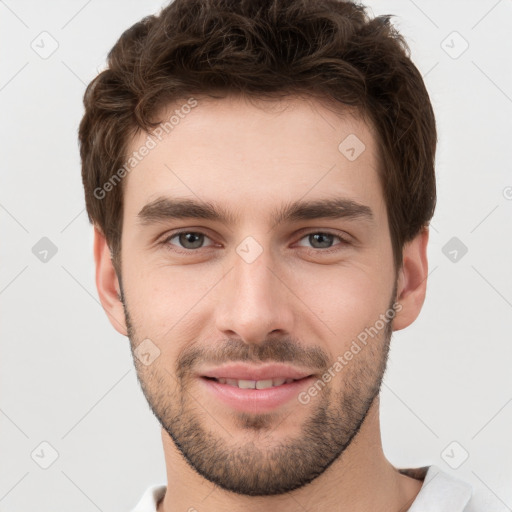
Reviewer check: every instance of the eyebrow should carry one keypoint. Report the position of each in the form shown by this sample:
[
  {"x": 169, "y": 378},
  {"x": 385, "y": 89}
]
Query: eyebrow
[{"x": 165, "y": 208}]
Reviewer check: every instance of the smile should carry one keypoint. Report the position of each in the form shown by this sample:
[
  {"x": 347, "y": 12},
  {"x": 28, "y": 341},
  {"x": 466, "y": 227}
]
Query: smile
[{"x": 255, "y": 384}]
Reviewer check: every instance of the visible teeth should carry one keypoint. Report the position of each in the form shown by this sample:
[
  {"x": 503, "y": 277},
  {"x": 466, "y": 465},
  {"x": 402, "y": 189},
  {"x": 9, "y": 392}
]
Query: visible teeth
[
  {"x": 263, "y": 384},
  {"x": 246, "y": 384},
  {"x": 255, "y": 384}
]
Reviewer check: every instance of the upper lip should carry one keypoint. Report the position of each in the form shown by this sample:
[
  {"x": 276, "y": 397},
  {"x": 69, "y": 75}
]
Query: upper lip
[{"x": 242, "y": 371}]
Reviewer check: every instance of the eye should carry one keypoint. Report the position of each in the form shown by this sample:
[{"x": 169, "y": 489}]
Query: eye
[
  {"x": 188, "y": 240},
  {"x": 323, "y": 241}
]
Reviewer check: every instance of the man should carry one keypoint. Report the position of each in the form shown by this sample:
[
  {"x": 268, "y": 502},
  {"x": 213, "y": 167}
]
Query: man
[{"x": 260, "y": 176}]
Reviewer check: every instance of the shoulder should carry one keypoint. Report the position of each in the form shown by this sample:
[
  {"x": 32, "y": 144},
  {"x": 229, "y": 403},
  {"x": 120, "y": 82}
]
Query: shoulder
[
  {"x": 442, "y": 492},
  {"x": 150, "y": 499}
]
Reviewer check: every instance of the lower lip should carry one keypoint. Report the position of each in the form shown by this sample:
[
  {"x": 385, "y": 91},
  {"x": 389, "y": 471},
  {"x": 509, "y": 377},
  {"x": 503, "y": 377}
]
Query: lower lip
[{"x": 256, "y": 400}]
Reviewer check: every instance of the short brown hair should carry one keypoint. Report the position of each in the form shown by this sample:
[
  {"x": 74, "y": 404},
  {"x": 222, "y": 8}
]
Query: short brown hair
[{"x": 328, "y": 49}]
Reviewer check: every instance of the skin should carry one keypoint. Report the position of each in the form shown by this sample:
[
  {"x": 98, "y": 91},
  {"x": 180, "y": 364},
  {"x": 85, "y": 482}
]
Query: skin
[{"x": 251, "y": 160}]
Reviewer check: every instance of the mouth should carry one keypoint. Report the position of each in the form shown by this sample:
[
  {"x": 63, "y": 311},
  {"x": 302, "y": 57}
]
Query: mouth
[
  {"x": 255, "y": 384},
  {"x": 257, "y": 389}
]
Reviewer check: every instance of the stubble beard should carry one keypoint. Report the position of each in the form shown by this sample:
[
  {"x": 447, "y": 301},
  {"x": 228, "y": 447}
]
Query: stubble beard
[{"x": 260, "y": 465}]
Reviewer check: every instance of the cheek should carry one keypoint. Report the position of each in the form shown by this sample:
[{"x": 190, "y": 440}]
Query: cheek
[
  {"x": 163, "y": 301},
  {"x": 169, "y": 303},
  {"x": 347, "y": 300}
]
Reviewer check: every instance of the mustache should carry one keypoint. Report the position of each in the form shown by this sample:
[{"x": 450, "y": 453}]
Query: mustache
[{"x": 277, "y": 350}]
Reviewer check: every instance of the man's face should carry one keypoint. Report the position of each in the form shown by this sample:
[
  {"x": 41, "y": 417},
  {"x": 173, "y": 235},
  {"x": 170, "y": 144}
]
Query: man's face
[{"x": 258, "y": 296}]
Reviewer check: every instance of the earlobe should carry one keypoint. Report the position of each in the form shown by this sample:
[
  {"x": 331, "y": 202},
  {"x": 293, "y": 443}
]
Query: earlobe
[
  {"x": 107, "y": 283},
  {"x": 412, "y": 280}
]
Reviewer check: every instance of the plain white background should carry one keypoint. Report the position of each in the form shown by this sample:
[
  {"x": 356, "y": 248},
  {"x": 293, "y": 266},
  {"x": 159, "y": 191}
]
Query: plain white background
[{"x": 67, "y": 378}]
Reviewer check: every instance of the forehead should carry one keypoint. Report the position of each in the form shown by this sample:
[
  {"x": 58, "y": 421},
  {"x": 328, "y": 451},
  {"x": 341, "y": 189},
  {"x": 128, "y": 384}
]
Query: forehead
[{"x": 254, "y": 154}]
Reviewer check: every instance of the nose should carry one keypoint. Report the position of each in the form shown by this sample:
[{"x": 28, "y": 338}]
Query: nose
[{"x": 254, "y": 301}]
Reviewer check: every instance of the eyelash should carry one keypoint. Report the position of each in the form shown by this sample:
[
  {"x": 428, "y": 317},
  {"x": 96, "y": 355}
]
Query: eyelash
[{"x": 344, "y": 241}]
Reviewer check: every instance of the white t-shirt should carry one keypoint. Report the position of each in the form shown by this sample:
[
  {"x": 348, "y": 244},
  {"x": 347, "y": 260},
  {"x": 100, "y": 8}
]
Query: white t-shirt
[{"x": 440, "y": 492}]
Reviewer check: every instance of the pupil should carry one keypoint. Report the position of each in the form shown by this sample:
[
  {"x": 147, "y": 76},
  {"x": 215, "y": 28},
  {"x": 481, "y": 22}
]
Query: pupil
[
  {"x": 322, "y": 236},
  {"x": 188, "y": 238}
]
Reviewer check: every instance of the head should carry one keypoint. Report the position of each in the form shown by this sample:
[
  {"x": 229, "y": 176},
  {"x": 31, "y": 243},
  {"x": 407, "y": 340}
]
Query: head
[{"x": 260, "y": 176}]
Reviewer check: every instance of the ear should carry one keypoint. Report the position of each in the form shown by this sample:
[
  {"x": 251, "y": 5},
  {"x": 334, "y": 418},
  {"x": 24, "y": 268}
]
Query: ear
[
  {"x": 412, "y": 280},
  {"x": 107, "y": 283}
]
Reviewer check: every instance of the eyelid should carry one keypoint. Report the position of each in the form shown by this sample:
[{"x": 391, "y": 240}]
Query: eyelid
[
  {"x": 333, "y": 232},
  {"x": 168, "y": 236},
  {"x": 344, "y": 238},
  {"x": 344, "y": 241}
]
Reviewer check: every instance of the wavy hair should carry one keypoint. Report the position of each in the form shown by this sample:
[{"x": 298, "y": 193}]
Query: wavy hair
[{"x": 328, "y": 49}]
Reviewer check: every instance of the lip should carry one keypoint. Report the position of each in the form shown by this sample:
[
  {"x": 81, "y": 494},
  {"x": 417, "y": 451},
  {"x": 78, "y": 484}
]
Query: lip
[
  {"x": 255, "y": 400},
  {"x": 250, "y": 372}
]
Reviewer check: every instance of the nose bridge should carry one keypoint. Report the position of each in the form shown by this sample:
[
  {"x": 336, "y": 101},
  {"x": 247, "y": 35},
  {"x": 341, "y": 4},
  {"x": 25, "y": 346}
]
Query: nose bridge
[{"x": 253, "y": 301}]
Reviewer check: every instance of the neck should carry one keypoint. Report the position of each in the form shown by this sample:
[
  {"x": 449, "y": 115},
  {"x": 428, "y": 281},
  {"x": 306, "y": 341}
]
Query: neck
[{"x": 360, "y": 479}]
